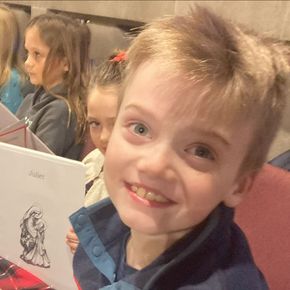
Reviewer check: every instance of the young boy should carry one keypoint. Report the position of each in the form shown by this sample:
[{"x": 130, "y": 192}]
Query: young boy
[{"x": 202, "y": 102}]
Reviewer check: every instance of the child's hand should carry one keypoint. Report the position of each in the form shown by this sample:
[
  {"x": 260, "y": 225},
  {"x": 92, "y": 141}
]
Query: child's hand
[{"x": 72, "y": 240}]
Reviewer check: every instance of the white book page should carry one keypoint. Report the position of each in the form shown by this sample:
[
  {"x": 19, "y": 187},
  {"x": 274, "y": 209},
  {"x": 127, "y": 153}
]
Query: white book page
[{"x": 38, "y": 193}]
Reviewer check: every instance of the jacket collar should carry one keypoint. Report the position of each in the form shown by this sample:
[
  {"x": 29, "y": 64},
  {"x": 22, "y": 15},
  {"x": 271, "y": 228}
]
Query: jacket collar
[
  {"x": 42, "y": 95},
  {"x": 103, "y": 231}
]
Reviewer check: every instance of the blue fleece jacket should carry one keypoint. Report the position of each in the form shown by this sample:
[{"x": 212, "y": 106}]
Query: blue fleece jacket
[{"x": 215, "y": 257}]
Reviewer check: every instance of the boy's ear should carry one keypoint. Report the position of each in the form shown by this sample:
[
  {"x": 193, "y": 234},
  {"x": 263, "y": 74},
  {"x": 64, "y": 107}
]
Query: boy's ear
[{"x": 242, "y": 187}]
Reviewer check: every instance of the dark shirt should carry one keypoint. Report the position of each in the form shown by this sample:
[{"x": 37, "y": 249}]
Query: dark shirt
[{"x": 216, "y": 256}]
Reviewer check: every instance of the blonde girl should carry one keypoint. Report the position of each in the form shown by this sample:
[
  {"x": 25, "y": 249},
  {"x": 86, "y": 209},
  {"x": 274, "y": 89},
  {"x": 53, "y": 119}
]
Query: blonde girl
[
  {"x": 11, "y": 72},
  {"x": 56, "y": 111}
]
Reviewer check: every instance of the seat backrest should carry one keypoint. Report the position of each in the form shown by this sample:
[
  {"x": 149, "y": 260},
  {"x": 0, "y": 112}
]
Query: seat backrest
[
  {"x": 264, "y": 216},
  {"x": 23, "y": 18},
  {"x": 110, "y": 37}
]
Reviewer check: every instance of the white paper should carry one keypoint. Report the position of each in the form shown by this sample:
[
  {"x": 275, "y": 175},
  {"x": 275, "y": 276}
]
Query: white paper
[{"x": 49, "y": 188}]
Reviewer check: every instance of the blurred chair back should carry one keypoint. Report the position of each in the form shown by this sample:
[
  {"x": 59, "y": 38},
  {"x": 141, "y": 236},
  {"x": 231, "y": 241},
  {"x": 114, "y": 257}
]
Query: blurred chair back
[{"x": 264, "y": 216}]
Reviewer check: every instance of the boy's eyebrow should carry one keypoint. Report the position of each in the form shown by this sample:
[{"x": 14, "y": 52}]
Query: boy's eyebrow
[
  {"x": 213, "y": 134},
  {"x": 140, "y": 109},
  {"x": 208, "y": 132}
]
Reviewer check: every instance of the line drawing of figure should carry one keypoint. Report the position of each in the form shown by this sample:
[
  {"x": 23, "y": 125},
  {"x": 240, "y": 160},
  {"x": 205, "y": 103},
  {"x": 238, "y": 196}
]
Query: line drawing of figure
[{"x": 32, "y": 238}]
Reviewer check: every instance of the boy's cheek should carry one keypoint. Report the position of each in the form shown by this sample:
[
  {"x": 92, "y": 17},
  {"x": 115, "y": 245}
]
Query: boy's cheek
[{"x": 117, "y": 143}]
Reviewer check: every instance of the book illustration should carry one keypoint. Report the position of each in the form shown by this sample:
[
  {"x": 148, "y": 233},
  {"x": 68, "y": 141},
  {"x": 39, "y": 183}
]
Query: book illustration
[
  {"x": 32, "y": 238},
  {"x": 33, "y": 229}
]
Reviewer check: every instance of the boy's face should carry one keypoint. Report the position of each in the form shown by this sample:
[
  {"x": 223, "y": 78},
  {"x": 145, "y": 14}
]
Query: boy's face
[{"x": 166, "y": 166}]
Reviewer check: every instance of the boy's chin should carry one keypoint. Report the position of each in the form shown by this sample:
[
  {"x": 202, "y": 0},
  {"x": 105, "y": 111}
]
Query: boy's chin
[
  {"x": 142, "y": 226},
  {"x": 149, "y": 227}
]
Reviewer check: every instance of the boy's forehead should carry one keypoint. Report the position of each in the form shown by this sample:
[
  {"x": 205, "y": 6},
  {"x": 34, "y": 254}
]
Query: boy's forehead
[
  {"x": 181, "y": 97},
  {"x": 152, "y": 79},
  {"x": 168, "y": 90}
]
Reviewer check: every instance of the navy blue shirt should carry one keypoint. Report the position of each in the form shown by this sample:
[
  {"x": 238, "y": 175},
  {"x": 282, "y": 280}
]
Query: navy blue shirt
[{"x": 214, "y": 257}]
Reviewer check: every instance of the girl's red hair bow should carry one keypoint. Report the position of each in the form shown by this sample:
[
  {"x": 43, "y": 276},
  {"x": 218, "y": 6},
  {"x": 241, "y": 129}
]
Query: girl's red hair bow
[{"x": 120, "y": 56}]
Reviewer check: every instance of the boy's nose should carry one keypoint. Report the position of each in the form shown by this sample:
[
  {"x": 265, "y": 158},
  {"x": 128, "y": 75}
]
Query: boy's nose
[{"x": 156, "y": 162}]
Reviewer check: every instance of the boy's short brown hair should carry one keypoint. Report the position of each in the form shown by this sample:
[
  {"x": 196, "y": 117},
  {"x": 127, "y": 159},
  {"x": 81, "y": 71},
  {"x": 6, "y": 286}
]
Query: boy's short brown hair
[{"x": 244, "y": 75}]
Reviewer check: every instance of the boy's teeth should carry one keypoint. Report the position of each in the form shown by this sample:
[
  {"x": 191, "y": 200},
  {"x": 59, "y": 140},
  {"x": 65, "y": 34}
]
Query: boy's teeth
[
  {"x": 134, "y": 188},
  {"x": 140, "y": 191}
]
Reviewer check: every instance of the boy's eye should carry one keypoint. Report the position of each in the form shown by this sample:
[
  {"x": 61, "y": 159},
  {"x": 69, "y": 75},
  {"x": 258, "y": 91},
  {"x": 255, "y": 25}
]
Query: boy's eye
[
  {"x": 140, "y": 129},
  {"x": 201, "y": 152}
]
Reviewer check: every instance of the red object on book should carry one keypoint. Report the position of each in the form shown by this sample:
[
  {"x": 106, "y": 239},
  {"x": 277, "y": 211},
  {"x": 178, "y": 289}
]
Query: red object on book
[{"x": 13, "y": 277}]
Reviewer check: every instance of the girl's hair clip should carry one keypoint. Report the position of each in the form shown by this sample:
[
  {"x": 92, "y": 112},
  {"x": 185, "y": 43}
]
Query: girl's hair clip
[{"x": 120, "y": 57}]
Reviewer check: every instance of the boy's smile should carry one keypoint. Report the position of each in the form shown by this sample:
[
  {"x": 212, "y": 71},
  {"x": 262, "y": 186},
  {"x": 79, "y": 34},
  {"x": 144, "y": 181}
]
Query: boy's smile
[
  {"x": 149, "y": 197},
  {"x": 166, "y": 166}
]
